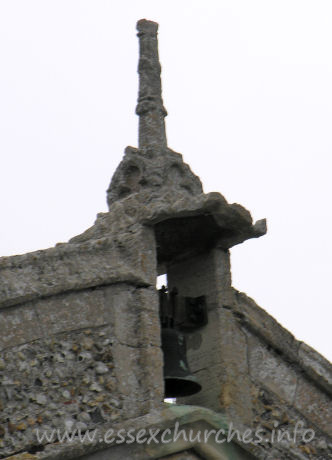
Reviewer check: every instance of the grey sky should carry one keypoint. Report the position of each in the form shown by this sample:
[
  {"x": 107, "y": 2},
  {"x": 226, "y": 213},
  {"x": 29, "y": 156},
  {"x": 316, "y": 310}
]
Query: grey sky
[{"x": 247, "y": 85}]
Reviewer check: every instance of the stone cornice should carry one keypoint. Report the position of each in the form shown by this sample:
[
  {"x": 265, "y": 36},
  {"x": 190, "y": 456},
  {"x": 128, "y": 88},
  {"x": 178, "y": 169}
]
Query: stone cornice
[
  {"x": 70, "y": 267},
  {"x": 299, "y": 354}
]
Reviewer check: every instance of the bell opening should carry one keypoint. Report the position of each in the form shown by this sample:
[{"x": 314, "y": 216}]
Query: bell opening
[
  {"x": 161, "y": 281},
  {"x": 178, "y": 380}
]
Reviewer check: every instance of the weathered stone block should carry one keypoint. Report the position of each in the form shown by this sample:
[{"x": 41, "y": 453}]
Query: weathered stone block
[
  {"x": 74, "y": 310},
  {"x": 264, "y": 325},
  {"x": 316, "y": 366},
  {"x": 124, "y": 257},
  {"x": 271, "y": 371},
  {"x": 314, "y": 404},
  {"x": 19, "y": 325}
]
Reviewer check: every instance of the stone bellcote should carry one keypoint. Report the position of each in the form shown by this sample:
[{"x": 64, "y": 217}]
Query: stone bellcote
[
  {"x": 80, "y": 342},
  {"x": 169, "y": 194}
]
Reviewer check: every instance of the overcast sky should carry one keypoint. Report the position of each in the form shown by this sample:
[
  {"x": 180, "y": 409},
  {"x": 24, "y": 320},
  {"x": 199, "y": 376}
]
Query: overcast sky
[{"x": 247, "y": 85}]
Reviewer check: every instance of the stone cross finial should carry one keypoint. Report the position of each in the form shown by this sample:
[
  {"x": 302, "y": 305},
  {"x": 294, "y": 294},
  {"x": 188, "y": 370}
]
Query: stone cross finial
[
  {"x": 153, "y": 169},
  {"x": 150, "y": 108}
]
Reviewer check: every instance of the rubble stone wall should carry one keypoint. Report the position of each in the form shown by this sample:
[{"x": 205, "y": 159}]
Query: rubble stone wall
[
  {"x": 80, "y": 338},
  {"x": 77, "y": 360}
]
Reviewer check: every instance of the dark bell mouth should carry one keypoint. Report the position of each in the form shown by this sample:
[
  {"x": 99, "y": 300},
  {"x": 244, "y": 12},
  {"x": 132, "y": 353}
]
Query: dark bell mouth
[{"x": 179, "y": 387}]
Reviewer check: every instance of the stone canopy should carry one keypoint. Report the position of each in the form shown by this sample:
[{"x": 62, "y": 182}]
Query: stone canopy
[{"x": 155, "y": 184}]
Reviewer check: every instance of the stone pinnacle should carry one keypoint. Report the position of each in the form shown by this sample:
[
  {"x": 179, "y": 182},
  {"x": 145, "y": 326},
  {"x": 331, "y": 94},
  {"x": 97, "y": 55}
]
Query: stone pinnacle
[{"x": 150, "y": 108}]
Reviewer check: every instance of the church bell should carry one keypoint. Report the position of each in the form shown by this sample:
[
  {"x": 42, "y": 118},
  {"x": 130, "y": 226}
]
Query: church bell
[
  {"x": 178, "y": 379},
  {"x": 177, "y": 376}
]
